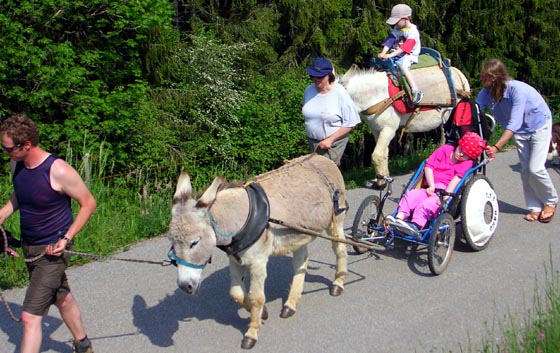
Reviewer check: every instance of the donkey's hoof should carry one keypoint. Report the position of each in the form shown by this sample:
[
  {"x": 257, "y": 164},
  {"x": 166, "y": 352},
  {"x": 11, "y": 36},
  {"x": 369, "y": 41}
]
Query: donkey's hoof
[
  {"x": 335, "y": 290},
  {"x": 248, "y": 342},
  {"x": 264, "y": 314},
  {"x": 287, "y": 312}
]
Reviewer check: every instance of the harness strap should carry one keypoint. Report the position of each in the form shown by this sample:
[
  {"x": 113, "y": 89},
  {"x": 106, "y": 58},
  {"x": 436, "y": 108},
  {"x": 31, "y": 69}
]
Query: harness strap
[
  {"x": 256, "y": 223},
  {"x": 380, "y": 107},
  {"x": 412, "y": 116}
]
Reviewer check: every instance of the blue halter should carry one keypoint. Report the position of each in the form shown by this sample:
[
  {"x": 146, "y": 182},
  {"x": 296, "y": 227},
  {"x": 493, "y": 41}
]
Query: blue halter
[{"x": 177, "y": 260}]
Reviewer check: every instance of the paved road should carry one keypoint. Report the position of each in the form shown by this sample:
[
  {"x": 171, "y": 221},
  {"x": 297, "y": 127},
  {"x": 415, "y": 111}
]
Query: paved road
[{"x": 391, "y": 303}]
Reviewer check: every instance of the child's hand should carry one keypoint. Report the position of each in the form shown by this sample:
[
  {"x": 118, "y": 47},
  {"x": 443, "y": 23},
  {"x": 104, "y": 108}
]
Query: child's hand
[{"x": 430, "y": 190}]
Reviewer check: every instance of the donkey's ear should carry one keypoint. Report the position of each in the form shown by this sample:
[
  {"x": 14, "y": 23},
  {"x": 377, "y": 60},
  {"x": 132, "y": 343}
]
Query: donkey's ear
[
  {"x": 184, "y": 188},
  {"x": 210, "y": 194}
]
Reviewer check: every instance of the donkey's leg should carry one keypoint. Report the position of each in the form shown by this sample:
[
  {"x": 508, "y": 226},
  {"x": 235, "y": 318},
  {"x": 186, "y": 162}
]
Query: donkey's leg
[
  {"x": 237, "y": 290},
  {"x": 340, "y": 250},
  {"x": 256, "y": 300},
  {"x": 300, "y": 261}
]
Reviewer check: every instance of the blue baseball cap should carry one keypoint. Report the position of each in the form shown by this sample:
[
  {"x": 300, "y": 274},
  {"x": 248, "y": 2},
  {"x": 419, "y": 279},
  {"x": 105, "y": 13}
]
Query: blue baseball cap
[{"x": 320, "y": 68}]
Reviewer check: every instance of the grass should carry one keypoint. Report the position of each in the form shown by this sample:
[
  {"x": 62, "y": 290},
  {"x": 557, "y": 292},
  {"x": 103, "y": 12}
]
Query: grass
[{"x": 539, "y": 330}]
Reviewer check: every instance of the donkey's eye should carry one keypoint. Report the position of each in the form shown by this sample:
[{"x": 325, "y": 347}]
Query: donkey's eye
[{"x": 193, "y": 244}]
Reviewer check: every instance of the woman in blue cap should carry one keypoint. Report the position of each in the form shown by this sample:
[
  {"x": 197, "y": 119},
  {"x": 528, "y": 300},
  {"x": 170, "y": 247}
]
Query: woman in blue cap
[{"x": 329, "y": 112}]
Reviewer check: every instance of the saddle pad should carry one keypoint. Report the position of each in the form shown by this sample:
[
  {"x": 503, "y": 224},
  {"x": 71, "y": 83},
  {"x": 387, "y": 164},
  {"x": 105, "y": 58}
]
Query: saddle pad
[
  {"x": 399, "y": 104},
  {"x": 432, "y": 82},
  {"x": 425, "y": 60}
]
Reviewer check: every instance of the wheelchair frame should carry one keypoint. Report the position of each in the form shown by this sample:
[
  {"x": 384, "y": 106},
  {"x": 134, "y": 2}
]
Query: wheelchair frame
[{"x": 473, "y": 200}]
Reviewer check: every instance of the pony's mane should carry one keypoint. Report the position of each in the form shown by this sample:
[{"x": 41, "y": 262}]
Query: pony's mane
[{"x": 366, "y": 87}]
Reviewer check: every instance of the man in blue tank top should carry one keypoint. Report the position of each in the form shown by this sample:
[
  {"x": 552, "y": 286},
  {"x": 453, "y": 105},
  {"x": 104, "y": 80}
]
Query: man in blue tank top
[{"x": 43, "y": 189}]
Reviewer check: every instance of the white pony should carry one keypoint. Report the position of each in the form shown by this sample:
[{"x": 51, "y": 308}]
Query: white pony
[{"x": 369, "y": 90}]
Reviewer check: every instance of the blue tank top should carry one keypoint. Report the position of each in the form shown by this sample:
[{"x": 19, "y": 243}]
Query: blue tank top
[{"x": 45, "y": 214}]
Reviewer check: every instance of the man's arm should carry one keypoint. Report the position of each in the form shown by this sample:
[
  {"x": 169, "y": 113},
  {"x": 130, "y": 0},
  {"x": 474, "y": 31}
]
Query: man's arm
[
  {"x": 12, "y": 205},
  {"x": 8, "y": 209},
  {"x": 66, "y": 179}
]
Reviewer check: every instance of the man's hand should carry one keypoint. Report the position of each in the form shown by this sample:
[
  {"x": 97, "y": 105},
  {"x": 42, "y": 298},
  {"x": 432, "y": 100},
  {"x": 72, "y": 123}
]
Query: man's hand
[{"x": 56, "y": 249}]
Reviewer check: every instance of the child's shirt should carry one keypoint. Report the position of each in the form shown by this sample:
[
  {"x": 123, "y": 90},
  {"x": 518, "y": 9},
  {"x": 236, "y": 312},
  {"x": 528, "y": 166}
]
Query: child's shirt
[
  {"x": 407, "y": 39},
  {"x": 441, "y": 162}
]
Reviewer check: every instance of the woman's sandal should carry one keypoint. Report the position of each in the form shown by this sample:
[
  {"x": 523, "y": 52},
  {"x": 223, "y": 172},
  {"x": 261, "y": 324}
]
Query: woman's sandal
[
  {"x": 533, "y": 216},
  {"x": 547, "y": 213}
]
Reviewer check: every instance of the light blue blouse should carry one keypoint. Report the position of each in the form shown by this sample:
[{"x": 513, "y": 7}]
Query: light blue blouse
[{"x": 522, "y": 109}]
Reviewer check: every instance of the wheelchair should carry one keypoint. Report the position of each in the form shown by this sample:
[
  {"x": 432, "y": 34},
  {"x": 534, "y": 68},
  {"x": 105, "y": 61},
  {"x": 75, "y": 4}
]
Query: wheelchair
[{"x": 472, "y": 207}]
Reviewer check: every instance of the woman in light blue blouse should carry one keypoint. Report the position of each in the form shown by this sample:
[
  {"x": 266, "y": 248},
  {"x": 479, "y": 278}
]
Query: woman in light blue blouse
[{"x": 525, "y": 116}]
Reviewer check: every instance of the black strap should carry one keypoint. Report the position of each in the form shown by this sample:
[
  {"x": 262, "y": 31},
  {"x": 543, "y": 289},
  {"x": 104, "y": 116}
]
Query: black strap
[{"x": 256, "y": 223}]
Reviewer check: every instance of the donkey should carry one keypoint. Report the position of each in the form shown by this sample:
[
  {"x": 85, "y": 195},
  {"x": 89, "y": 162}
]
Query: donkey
[{"x": 275, "y": 213}]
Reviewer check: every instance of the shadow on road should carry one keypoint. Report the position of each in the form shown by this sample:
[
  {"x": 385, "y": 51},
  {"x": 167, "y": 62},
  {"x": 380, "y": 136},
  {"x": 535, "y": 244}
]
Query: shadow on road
[{"x": 14, "y": 330}]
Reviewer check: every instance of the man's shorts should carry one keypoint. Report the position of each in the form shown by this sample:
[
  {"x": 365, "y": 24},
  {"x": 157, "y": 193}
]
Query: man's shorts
[{"x": 47, "y": 280}]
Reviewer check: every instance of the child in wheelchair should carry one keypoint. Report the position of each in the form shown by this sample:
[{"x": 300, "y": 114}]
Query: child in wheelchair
[{"x": 443, "y": 171}]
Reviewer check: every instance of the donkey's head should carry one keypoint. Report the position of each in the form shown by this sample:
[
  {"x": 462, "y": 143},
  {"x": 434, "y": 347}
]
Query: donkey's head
[{"x": 192, "y": 237}]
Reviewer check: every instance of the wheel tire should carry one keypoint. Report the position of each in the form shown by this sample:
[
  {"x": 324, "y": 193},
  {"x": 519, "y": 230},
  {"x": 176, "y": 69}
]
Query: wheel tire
[
  {"x": 441, "y": 243},
  {"x": 479, "y": 212},
  {"x": 366, "y": 215}
]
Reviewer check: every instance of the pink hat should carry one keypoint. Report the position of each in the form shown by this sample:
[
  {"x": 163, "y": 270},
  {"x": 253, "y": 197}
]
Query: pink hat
[{"x": 472, "y": 144}]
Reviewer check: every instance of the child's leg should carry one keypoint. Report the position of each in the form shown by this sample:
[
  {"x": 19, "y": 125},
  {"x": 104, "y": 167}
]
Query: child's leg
[
  {"x": 409, "y": 78},
  {"x": 410, "y": 201},
  {"x": 404, "y": 64},
  {"x": 427, "y": 210}
]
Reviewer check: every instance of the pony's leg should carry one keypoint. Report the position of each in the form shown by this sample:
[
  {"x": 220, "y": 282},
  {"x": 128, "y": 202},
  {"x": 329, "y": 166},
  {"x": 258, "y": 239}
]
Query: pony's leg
[
  {"x": 300, "y": 261},
  {"x": 237, "y": 290},
  {"x": 380, "y": 155},
  {"x": 341, "y": 252},
  {"x": 256, "y": 300}
]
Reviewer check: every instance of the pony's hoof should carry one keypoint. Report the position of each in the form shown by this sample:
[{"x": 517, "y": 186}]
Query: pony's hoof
[
  {"x": 376, "y": 184},
  {"x": 287, "y": 312},
  {"x": 335, "y": 290},
  {"x": 264, "y": 314},
  {"x": 248, "y": 342}
]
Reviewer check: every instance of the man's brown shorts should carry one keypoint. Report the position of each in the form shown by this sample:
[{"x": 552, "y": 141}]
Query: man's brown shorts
[{"x": 47, "y": 280}]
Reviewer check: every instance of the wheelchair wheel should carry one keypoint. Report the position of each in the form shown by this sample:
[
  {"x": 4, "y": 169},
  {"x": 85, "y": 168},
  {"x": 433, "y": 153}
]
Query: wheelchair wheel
[
  {"x": 479, "y": 212},
  {"x": 364, "y": 221},
  {"x": 441, "y": 243}
]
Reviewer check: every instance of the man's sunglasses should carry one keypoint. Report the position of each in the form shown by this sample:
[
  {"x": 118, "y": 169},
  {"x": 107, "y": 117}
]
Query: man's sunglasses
[{"x": 10, "y": 149}]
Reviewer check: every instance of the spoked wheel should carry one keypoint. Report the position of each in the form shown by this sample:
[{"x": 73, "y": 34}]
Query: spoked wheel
[
  {"x": 442, "y": 240},
  {"x": 479, "y": 212},
  {"x": 365, "y": 220}
]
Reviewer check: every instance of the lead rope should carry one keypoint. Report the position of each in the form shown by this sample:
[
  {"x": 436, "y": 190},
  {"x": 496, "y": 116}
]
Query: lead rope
[
  {"x": 71, "y": 252},
  {"x": 10, "y": 312}
]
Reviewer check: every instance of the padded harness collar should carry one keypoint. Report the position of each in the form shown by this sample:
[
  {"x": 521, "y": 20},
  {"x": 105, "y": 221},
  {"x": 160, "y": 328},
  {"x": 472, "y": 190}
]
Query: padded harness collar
[{"x": 256, "y": 223}]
